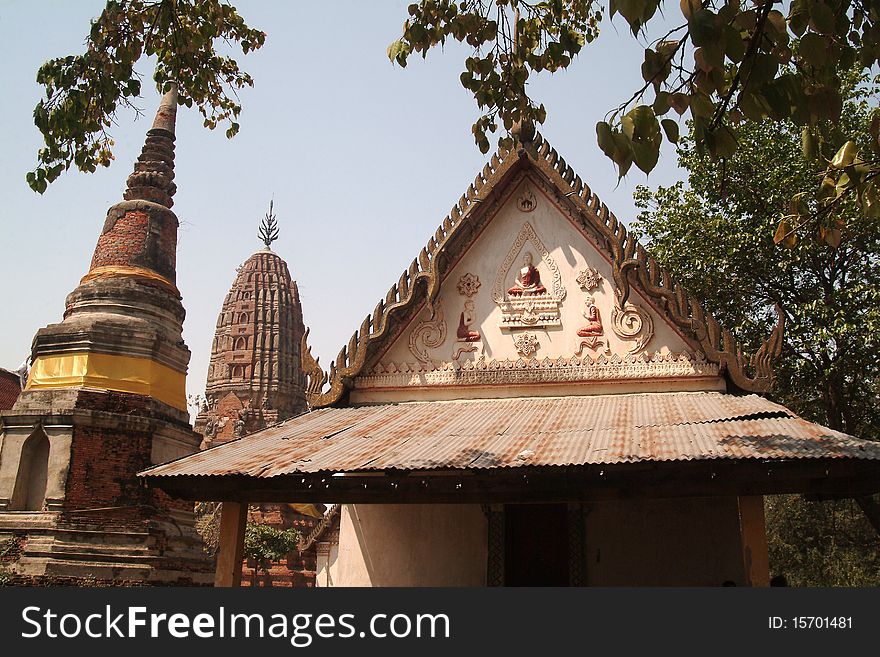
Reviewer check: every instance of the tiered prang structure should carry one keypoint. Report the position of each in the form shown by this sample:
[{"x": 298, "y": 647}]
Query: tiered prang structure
[
  {"x": 254, "y": 377},
  {"x": 255, "y": 380},
  {"x": 106, "y": 397}
]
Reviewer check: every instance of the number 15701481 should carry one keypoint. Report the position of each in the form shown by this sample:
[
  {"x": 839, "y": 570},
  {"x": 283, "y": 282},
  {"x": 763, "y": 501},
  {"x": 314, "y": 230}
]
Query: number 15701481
[{"x": 810, "y": 623}]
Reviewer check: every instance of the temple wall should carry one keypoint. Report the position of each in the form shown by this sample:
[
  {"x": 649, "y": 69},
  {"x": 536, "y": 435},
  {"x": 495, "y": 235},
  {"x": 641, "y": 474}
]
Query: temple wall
[
  {"x": 671, "y": 542},
  {"x": 327, "y": 564},
  {"x": 411, "y": 545}
]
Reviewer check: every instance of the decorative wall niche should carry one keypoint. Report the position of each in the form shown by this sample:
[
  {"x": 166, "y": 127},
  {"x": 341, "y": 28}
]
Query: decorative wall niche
[{"x": 529, "y": 302}]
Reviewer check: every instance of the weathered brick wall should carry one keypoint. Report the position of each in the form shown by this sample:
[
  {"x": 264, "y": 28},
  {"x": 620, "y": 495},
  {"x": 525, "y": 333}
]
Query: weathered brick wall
[
  {"x": 144, "y": 237},
  {"x": 297, "y": 569},
  {"x": 123, "y": 242},
  {"x": 104, "y": 463}
]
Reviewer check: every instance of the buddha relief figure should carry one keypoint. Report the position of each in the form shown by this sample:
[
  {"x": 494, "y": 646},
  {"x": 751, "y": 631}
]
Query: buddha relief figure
[
  {"x": 464, "y": 333},
  {"x": 528, "y": 281},
  {"x": 594, "y": 321}
]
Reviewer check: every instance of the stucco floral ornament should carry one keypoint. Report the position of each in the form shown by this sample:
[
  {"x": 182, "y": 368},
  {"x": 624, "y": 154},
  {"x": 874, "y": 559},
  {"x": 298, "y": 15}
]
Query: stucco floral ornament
[
  {"x": 589, "y": 279},
  {"x": 468, "y": 285},
  {"x": 526, "y": 343},
  {"x": 526, "y": 201}
]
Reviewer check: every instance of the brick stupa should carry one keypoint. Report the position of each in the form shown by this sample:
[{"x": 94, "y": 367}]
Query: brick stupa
[{"x": 105, "y": 398}]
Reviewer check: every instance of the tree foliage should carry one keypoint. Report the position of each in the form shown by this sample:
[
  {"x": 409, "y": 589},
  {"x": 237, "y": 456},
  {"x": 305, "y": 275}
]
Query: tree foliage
[
  {"x": 714, "y": 235},
  {"x": 83, "y": 93},
  {"x": 265, "y": 544},
  {"x": 511, "y": 40},
  {"x": 723, "y": 62},
  {"x": 262, "y": 543},
  {"x": 821, "y": 543}
]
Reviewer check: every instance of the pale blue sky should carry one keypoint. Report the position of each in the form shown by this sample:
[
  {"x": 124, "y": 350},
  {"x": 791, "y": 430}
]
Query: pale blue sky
[{"x": 364, "y": 160}]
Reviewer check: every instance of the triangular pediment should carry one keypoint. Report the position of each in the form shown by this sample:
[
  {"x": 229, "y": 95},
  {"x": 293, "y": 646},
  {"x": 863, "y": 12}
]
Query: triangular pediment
[{"x": 531, "y": 286}]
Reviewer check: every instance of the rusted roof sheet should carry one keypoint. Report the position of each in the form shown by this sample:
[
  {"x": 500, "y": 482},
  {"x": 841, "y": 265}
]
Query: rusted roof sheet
[{"x": 500, "y": 433}]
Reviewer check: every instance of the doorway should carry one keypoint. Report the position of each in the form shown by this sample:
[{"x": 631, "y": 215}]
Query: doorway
[{"x": 536, "y": 545}]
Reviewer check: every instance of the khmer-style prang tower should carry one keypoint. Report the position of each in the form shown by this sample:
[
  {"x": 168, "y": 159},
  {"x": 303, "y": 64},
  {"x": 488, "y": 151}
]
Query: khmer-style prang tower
[
  {"x": 105, "y": 398},
  {"x": 255, "y": 378}
]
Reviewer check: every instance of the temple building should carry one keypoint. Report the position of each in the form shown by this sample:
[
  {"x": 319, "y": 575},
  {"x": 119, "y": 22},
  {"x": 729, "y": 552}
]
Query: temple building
[
  {"x": 105, "y": 398},
  {"x": 534, "y": 402},
  {"x": 255, "y": 380}
]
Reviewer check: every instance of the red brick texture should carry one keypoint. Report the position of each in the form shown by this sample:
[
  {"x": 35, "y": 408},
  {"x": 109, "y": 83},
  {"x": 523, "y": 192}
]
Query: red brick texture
[
  {"x": 104, "y": 462},
  {"x": 122, "y": 243},
  {"x": 298, "y": 569},
  {"x": 139, "y": 238},
  {"x": 10, "y": 388}
]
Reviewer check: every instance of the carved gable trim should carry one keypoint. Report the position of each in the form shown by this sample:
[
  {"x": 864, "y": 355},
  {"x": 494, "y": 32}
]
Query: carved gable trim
[{"x": 631, "y": 265}]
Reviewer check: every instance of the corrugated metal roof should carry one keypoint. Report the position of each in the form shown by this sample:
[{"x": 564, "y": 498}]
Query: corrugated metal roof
[{"x": 499, "y": 433}]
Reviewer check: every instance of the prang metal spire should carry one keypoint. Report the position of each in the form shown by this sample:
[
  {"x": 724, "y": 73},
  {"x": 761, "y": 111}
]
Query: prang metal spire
[
  {"x": 269, "y": 227},
  {"x": 153, "y": 177}
]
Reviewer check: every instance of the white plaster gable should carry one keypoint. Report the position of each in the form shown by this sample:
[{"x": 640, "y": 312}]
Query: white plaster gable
[{"x": 532, "y": 339}]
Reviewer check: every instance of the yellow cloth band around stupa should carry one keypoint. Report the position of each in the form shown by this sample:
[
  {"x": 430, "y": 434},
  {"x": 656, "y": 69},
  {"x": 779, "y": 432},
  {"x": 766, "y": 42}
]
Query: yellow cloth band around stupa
[
  {"x": 139, "y": 376},
  {"x": 307, "y": 510},
  {"x": 115, "y": 271}
]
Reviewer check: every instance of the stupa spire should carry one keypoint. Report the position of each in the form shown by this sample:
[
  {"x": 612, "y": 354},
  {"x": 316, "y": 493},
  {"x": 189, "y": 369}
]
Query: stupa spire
[{"x": 153, "y": 176}]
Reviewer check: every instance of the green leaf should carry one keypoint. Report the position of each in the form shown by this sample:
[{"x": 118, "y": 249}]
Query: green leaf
[
  {"x": 813, "y": 49},
  {"x": 871, "y": 202},
  {"x": 721, "y": 142},
  {"x": 605, "y": 138},
  {"x": 661, "y": 103},
  {"x": 670, "y": 127},
  {"x": 701, "y": 105},
  {"x": 845, "y": 155},
  {"x": 640, "y": 125},
  {"x": 623, "y": 156},
  {"x": 821, "y": 17},
  {"x": 703, "y": 28},
  {"x": 827, "y": 189},
  {"x": 734, "y": 46}
]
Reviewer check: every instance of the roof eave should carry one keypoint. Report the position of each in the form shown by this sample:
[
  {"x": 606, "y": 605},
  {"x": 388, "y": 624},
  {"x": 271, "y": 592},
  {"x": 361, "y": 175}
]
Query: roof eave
[{"x": 587, "y": 483}]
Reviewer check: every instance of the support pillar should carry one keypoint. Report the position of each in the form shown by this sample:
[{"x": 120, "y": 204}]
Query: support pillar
[
  {"x": 753, "y": 535},
  {"x": 233, "y": 519},
  {"x": 496, "y": 545}
]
